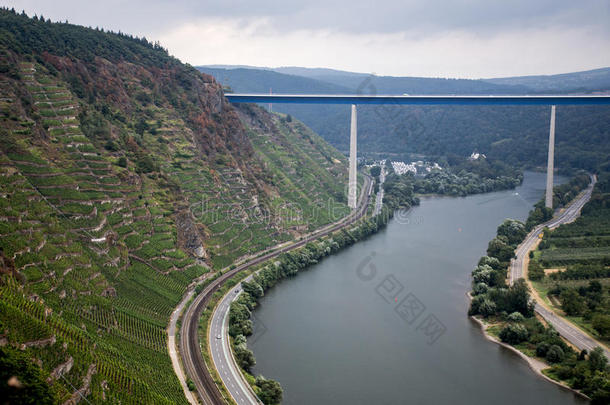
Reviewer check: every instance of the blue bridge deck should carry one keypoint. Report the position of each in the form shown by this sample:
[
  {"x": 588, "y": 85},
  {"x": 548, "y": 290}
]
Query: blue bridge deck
[{"x": 420, "y": 100}]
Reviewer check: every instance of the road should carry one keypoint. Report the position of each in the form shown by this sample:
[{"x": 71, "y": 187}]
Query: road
[
  {"x": 379, "y": 197},
  {"x": 569, "y": 331},
  {"x": 192, "y": 358}
]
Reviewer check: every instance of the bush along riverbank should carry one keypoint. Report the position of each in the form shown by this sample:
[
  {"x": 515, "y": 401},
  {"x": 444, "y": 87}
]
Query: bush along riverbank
[
  {"x": 507, "y": 313},
  {"x": 284, "y": 266}
]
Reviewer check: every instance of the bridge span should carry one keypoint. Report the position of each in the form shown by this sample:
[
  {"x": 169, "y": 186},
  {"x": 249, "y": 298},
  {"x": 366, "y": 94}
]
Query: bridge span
[{"x": 493, "y": 100}]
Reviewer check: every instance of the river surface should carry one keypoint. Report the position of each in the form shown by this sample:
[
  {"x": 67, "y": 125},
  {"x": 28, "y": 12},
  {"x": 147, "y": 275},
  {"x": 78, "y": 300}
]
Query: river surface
[{"x": 384, "y": 321}]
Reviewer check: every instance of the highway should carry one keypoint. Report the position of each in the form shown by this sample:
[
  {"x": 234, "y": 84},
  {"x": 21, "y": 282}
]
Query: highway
[
  {"x": 565, "y": 328},
  {"x": 190, "y": 347}
]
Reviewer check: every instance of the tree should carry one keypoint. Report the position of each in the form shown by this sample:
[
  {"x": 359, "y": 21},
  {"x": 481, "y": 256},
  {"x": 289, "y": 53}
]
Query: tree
[
  {"x": 597, "y": 360},
  {"x": 571, "y": 302},
  {"x": 270, "y": 390},
  {"x": 555, "y": 354},
  {"x": 253, "y": 288},
  {"x": 375, "y": 171},
  {"x": 514, "y": 334},
  {"x": 534, "y": 270},
  {"x": 492, "y": 262},
  {"x": 245, "y": 357},
  {"x": 541, "y": 349},
  {"x": 518, "y": 299},
  {"x": 513, "y": 230},
  {"x": 482, "y": 274},
  {"x": 479, "y": 288},
  {"x": 516, "y": 317},
  {"x": 498, "y": 247},
  {"x": 601, "y": 323},
  {"x": 487, "y": 308}
]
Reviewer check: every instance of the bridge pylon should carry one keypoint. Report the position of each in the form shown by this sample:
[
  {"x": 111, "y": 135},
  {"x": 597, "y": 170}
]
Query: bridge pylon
[
  {"x": 352, "y": 193},
  {"x": 548, "y": 201}
]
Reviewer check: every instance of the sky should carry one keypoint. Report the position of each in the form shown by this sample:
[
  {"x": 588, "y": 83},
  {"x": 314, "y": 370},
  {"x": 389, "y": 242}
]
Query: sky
[{"x": 429, "y": 38}]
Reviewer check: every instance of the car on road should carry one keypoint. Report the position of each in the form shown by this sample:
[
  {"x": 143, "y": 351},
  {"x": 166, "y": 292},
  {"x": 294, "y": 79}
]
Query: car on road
[{"x": 218, "y": 337}]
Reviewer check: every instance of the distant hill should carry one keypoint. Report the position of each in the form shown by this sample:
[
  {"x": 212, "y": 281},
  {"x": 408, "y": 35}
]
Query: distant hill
[
  {"x": 515, "y": 134},
  {"x": 262, "y": 81},
  {"x": 590, "y": 80}
]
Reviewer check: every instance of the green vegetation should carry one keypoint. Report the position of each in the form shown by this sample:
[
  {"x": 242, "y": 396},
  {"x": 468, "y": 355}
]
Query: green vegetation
[
  {"x": 579, "y": 253},
  {"x": 124, "y": 177},
  {"x": 511, "y": 311},
  {"x": 463, "y": 177}
]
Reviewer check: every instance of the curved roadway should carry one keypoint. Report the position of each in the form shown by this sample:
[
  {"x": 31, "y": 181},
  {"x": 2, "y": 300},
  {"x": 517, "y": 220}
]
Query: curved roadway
[
  {"x": 569, "y": 331},
  {"x": 190, "y": 346}
]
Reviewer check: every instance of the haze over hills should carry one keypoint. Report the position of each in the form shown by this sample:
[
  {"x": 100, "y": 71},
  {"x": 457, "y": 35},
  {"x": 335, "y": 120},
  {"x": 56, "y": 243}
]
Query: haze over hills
[
  {"x": 125, "y": 175},
  {"x": 515, "y": 134},
  {"x": 589, "y": 80}
]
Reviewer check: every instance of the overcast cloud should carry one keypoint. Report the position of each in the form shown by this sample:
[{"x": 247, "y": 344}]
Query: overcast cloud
[{"x": 462, "y": 38}]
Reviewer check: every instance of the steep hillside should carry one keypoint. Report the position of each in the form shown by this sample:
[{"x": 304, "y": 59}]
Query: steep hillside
[
  {"x": 517, "y": 135},
  {"x": 124, "y": 176}
]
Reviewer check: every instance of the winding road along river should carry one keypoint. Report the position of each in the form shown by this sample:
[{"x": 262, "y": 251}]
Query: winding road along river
[{"x": 352, "y": 329}]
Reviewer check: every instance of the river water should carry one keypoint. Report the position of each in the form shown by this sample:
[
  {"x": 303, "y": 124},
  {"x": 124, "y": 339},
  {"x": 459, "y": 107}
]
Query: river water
[{"x": 384, "y": 321}]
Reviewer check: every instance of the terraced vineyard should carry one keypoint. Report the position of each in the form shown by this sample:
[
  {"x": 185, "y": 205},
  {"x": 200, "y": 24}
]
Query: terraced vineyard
[{"x": 122, "y": 182}]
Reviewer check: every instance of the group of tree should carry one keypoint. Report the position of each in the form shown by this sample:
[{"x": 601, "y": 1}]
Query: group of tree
[
  {"x": 399, "y": 191},
  {"x": 490, "y": 294},
  {"x": 588, "y": 372},
  {"x": 463, "y": 177}
]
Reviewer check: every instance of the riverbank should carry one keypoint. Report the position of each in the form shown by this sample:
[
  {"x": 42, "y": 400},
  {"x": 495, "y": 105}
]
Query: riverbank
[
  {"x": 536, "y": 365},
  {"x": 310, "y": 333},
  {"x": 267, "y": 275},
  {"x": 549, "y": 337}
]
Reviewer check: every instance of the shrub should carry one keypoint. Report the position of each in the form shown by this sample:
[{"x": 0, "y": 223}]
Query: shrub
[
  {"x": 480, "y": 288},
  {"x": 542, "y": 349},
  {"x": 555, "y": 354},
  {"x": 516, "y": 317},
  {"x": 270, "y": 390},
  {"x": 514, "y": 334},
  {"x": 601, "y": 323},
  {"x": 487, "y": 308}
]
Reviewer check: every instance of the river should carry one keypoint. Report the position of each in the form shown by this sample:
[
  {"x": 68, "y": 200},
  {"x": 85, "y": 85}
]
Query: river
[{"x": 384, "y": 321}]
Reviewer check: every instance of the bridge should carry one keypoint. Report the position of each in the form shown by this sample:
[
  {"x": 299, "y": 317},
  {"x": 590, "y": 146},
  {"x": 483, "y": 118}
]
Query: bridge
[{"x": 532, "y": 100}]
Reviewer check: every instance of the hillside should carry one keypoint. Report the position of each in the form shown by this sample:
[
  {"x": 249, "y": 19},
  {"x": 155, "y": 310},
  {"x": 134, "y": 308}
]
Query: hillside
[
  {"x": 517, "y": 135},
  {"x": 590, "y": 80},
  {"x": 125, "y": 175}
]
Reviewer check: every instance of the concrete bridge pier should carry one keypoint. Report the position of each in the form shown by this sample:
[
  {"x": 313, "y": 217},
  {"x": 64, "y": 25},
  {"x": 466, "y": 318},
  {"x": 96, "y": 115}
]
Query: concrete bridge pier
[
  {"x": 548, "y": 202},
  {"x": 352, "y": 193}
]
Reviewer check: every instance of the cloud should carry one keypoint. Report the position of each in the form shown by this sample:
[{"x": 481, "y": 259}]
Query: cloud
[
  {"x": 465, "y": 38},
  {"x": 455, "y": 53}
]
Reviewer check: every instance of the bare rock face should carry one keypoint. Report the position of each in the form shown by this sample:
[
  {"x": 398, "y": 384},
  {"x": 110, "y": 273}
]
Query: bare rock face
[{"x": 189, "y": 237}]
